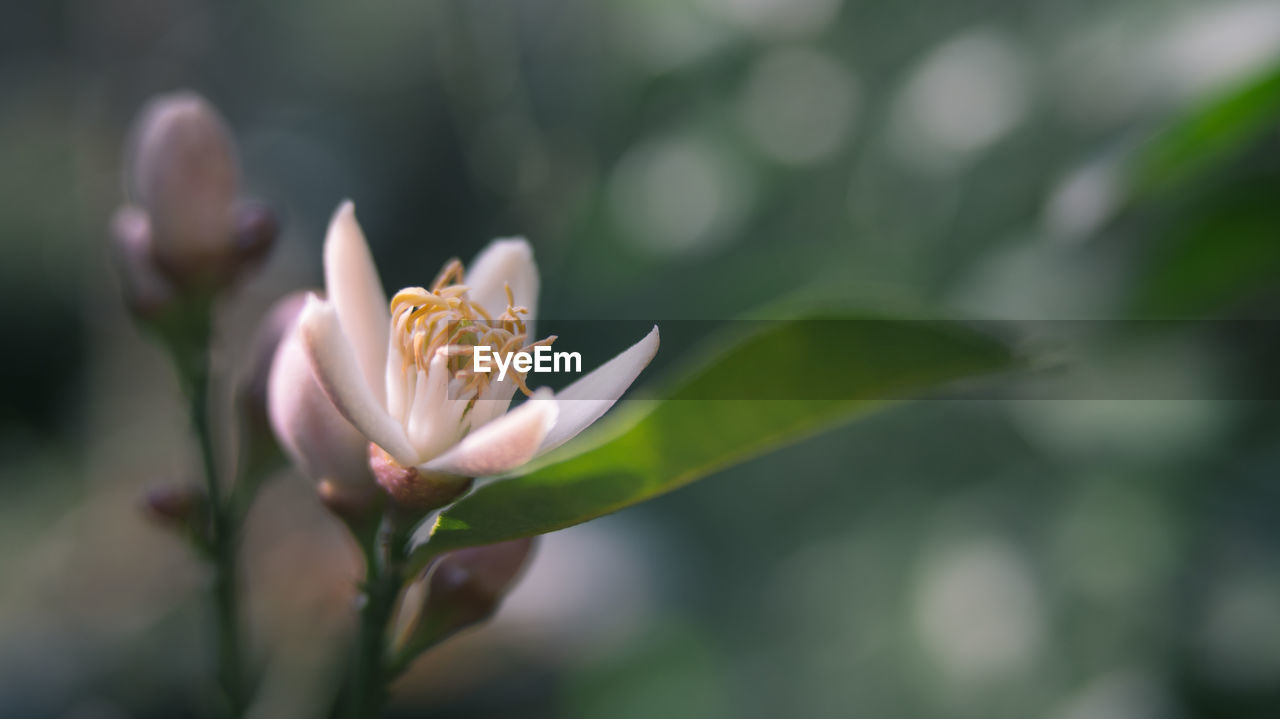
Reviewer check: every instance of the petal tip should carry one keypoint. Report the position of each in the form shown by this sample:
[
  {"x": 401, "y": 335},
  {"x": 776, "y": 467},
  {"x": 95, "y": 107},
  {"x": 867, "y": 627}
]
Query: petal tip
[
  {"x": 343, "y": 228},
  {"x": 651, "y": 342},
  {"x": 312, "y": 308},
  {"x": 347, "y": 207},
  {"x": 515, "y": 242},
  {"x": 515, "y": 249}
]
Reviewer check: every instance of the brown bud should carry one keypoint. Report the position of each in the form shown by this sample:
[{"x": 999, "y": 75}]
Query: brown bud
[
  {"x": 413, "y": 490},
  {"x": 480, "y": 575},
  {"x": 464, "y": 588},
  {"x": 182, "y": 507},
  {"x": 357, "y": 505},
  {"x": 256, "y": 230}
]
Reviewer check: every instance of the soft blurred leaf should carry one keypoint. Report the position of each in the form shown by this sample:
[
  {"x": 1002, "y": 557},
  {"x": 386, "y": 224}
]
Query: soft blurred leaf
[
  {"x": 1209, "y": 133},
  {"x": 835, "y": 368},
  {"x": 1207, "y": 176},
  {"x": 1221, "y": 253}
]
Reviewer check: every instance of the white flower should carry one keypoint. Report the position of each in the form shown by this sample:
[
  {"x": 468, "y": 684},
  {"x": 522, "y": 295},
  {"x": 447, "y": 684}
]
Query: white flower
[{"x": 399, "y": 371}]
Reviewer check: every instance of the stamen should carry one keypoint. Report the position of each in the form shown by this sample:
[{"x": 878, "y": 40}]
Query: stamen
[
  {"x": 444, "y": 317},
  {"x": 452, "y": 268},
  {"x": 519, "y": 380},
  {"x": 452, "y": 290}
]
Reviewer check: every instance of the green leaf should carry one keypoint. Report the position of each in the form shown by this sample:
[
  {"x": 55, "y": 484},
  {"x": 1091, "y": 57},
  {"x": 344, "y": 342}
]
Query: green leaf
[
  {"x": 1209, "y": 133},
  {"x": 1220, "y": 255},
  {"x": 796, "y": 378}
]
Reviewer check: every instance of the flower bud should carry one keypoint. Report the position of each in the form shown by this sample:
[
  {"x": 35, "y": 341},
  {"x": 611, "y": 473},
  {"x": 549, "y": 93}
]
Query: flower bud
[
  {"x": 358, "y": 505},
  {"x": 464, "y": 588},
  {"x": 182, "y": 507},
  {"x": 184, "y": 172},
  {"x": 317, "y": 438},
  {"x": 414, "y": 491},
  {"x": 148, "y": 292},
  {"x": 259, "y": 441},
  {"x": 256, "y": 230}
]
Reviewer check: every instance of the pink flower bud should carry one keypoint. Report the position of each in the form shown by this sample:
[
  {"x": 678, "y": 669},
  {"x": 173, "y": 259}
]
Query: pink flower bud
[
  {"x": 184, "y": 171},
  {"x": 321, "y": 443},
  {"x": 278, "y": 322},
  {"x": 464, "y": 588},
  {"x": 261, "y": 453},
  {"x": 148, "y": 291}
]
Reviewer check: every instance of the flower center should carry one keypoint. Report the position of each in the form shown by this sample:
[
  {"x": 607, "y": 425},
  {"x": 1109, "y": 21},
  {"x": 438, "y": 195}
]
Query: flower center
[{"x": 444, "y": 317}]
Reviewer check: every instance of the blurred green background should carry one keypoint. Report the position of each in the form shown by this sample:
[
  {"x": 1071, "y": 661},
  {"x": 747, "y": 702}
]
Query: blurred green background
[{"x": 1090, "y": 558}]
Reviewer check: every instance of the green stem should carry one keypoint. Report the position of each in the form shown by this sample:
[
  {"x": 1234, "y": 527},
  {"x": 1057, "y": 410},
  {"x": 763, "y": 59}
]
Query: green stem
[
  {"x": 191, "y": 354},
  {"x": 223, "y": 541},
  {"x": 385, "y": 558}
]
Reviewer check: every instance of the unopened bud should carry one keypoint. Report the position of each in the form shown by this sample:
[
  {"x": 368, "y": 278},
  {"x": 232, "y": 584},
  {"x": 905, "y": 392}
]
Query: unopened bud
[
  {"x": 261, "y": 452},
  {"x": 318, "y": 439},
  {"x": 464, "y": 588},
  {"x": 182, "y": 507},
  {"x": 256, "y": 230},
  {"x": 278, "y": 322},
  {"x": 184, "y": 173},
  {"x": 358, "y": 505},
  {"x": 148, "y": 292},
  {"x": 414, "y": 491}
]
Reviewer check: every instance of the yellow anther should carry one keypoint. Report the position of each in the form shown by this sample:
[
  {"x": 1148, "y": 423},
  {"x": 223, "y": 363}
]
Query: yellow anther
[
  {"x": 451, "y": 271},
  {"x": 445, "y": 318}
]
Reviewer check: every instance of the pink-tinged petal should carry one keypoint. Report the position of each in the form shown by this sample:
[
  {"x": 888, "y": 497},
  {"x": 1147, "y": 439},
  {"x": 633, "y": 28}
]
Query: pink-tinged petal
[
  {"x": 351, "y": 281},
  {"x": 320, "y": 441},
  {"x": 433, "y": 419},
  {"x": 338, "y": 371},
  {"x": 492, "y": 402},
  {"x": 400, "y": 381},
  {"x": 584, "y": 401},
  {"x": 501, "y": 445},
  {"x": 504, "y": 262}
]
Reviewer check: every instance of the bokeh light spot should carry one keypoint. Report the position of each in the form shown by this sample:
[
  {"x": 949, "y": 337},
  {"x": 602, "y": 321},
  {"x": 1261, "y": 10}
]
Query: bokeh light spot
[
  {"x": 964, "y": 96},
  {"x": 798, "y": 105},
  {"x": 676, "y": 196},
  {"x": 977, "y": 610}
]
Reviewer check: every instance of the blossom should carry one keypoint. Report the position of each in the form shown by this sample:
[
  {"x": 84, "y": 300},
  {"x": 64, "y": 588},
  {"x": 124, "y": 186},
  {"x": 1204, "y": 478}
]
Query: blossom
[{"x": 399, "y": 371}]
